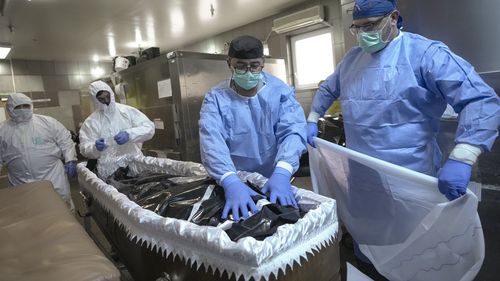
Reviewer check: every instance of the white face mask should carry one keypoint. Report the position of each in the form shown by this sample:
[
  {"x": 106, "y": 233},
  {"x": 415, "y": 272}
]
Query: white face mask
[{"x": 22, "y": 114}]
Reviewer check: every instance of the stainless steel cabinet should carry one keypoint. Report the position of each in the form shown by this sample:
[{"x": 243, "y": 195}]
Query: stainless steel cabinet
[{"x": 186, "y": 76}]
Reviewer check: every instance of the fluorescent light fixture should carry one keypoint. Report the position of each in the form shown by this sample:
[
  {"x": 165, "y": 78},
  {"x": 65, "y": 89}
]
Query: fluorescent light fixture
[
  {"x": 266, "y": 50},
  {"x": 40, "y": 100},
  {"x": 4, "y": 50},
  {"x": 111, "y": 45},
  {"x": 138, "y": 35},
  {"x": 177, "y": 22}
]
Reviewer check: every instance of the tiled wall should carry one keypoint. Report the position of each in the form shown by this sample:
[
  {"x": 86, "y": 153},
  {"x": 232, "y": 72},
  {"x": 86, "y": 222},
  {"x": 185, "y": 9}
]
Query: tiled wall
[
  {"x": 278, "y": 43},
  {"x": 59, "y": 81},
  {"x": 45, "y": 79}
]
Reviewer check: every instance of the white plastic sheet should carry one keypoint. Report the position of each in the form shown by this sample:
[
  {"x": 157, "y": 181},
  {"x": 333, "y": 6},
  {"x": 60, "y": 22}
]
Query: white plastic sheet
[
  {"x": 407, "y": 229},
  {"x": 210, "y": 246},
  {"x": 353, "y": 274},
  {"x": 113, "y": 157}
]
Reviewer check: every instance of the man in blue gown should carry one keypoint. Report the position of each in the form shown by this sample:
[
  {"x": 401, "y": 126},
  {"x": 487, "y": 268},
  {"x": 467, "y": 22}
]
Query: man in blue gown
[
  {"x": 394, "y": 88},
  {"x": 251, "y": 122}
]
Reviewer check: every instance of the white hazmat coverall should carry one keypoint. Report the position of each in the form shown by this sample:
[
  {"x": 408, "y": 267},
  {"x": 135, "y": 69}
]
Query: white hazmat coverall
[
  {"x": 32, "y": 146},
  {"x": 106, "y": 122}
]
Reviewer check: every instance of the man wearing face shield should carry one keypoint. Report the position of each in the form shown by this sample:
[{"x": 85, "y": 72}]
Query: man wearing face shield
[
  {"x": 32, "y": 147},
  {"x": 113, "y": 124},
  {"x": 251, "y": 122},
  {"x": 394, "y": 88}
]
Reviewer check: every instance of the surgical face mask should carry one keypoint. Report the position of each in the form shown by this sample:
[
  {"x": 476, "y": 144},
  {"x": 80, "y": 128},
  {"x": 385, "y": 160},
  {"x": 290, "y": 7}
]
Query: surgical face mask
[
  {"x": 22, "y": 114},
  {"x": 247, "y": 80},
  {"x": 372, "y": 41}
]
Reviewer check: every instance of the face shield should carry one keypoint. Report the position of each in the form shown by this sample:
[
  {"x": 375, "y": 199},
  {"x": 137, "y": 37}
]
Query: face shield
[
  {"x": 375, "y": 35},
  {"x": 374, "y": 26}
]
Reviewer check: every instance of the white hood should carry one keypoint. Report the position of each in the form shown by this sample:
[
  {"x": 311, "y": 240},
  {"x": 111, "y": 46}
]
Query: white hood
[
  {"x": 97, "y": 86},
  {"x": 15, "y": 100}
]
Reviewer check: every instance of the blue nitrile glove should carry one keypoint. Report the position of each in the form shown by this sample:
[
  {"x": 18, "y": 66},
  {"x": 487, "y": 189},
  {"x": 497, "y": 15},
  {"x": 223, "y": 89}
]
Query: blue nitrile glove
[
  {"x": 238, "y": 198},
  {"x": 280, "y": 188},
  {"x": 454, "y": 178},
  {"x": 70, "y": 168},
  {"x": 121, "y": 137},
  {"x": 312, "y": 131},
  {"x": 100, "y": 144}
]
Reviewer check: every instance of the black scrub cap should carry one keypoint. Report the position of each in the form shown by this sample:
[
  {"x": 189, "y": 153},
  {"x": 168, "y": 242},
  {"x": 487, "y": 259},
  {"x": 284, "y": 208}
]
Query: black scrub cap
[{"x": 246, "y": 47}]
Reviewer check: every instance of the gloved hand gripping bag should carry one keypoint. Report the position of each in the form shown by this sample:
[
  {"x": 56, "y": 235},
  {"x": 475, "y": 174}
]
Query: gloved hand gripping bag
[{"x": 265, "y": 222}]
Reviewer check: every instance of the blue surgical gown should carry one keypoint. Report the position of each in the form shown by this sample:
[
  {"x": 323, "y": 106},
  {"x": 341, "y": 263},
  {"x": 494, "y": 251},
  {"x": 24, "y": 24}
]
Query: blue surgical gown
[
  {"x": 251, "y": 133},
  {"x": 392, "y": 101}
]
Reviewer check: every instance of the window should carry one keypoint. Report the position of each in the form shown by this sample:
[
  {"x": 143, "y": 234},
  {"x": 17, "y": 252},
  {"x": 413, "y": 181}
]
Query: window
[{"x": 312, "y": 58}]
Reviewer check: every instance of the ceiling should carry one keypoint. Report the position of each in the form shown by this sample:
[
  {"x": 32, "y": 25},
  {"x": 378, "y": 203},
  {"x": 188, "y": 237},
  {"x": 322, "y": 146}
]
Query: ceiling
[{"x": 101, "y": 29}]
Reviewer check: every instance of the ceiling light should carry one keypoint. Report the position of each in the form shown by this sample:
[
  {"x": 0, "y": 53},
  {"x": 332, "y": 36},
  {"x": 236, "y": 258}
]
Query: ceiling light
[
  {"x": 40, "y": 100},
  {"x": 4, "y": 51},
  {"x": 266, "y": 49},
  {"x": 111, "y": 46},
  {"x": 97, "y": 71},
  {"x": 177, "y": 22}
]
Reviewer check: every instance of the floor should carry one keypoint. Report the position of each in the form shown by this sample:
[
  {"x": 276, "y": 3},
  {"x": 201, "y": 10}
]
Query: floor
[
  {"x": 82, "y": 215},
  {"x": 489, "y": 211}
]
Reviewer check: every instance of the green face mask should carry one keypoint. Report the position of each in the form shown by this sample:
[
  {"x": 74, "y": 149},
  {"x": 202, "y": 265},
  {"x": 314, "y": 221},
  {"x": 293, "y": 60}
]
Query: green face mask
[
  {"x": 372, "y": 41},
  {"x": 247, "y": 80}
]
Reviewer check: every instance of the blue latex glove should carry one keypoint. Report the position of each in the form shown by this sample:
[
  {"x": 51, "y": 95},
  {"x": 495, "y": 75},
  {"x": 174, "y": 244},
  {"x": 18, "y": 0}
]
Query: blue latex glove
[
  {"x": 312, "y": 131},
  {"x": 70, "y": 168},
  {"x": 100, "y": 144},
  {"x": 122, "y": 137},
  {"x": 454, "y": 178},
  {"x": 280, "y": 188},
  {"x": 238, "y": 198}
]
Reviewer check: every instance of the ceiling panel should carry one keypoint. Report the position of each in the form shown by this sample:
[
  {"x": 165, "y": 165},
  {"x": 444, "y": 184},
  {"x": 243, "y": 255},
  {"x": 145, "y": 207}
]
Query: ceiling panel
[{"x": 83, "y": 29}]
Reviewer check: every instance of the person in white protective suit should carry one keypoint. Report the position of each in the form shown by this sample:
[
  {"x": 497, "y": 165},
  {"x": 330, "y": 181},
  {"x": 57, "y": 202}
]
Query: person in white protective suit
[
  {"x": 113, "y": 132},
  {"x": 32, "y": 147}
]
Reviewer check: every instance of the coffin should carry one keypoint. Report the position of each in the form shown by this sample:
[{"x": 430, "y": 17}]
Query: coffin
[{"x": 154, "y": 247}]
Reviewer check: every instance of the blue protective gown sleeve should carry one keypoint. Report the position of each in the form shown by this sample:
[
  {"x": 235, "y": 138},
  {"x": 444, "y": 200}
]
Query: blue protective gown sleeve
[
  {"x": 290, "y": 131},
  {"x": 327, "y": 93},
  {"x": 215, "y": 155},
  {"x": 459, "y": 84}
]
